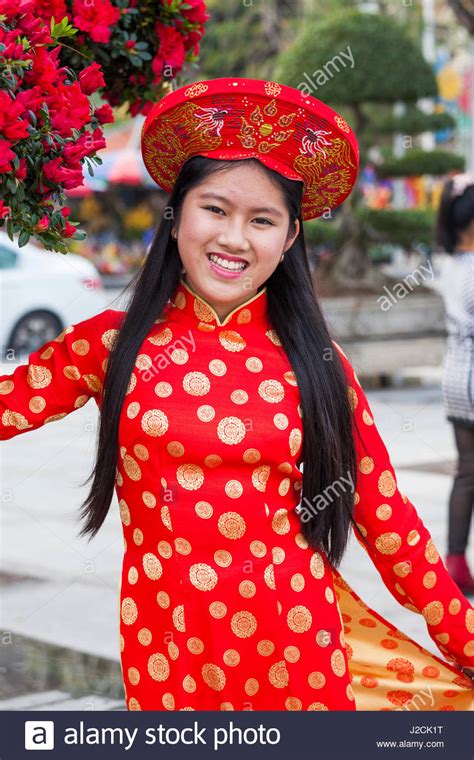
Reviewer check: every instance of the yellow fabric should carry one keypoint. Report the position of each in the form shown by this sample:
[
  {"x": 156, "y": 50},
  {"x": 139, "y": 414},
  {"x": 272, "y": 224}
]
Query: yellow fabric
[{"x": 389, "y": 670}]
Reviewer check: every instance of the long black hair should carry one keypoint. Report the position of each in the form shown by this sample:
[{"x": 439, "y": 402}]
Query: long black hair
[
  {"x": 328, "y": 450},
  {"x": 455, "y": 214}
]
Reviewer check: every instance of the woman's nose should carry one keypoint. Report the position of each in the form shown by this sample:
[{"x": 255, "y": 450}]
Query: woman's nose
[{"x": 234, "y": 236}]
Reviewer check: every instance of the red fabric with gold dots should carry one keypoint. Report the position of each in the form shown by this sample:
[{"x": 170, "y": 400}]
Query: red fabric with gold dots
[{"x": 223, "y": 604}]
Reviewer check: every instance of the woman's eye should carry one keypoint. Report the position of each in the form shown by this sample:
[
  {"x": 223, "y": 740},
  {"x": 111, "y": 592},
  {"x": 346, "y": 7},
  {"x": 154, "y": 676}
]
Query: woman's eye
[
  {"x": 257, "y": 219},
  {"x": 212, "y": 208},
  {"x": 261, "y": 219}
]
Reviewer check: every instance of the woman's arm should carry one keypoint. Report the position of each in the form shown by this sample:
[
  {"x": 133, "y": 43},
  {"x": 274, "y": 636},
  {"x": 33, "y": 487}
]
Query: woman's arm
[
  {"x": 60, "y": 377},
  {"x": 399, "y": 544}
]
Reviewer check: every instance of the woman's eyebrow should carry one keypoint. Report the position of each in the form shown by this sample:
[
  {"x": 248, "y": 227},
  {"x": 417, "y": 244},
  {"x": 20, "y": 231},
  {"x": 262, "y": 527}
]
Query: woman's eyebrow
[{"x": 259, "y": 210}]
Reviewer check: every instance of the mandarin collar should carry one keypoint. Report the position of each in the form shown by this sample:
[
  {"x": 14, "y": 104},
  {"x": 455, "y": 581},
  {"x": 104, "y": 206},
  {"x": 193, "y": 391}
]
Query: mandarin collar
[{"x": 200, "y": 311}]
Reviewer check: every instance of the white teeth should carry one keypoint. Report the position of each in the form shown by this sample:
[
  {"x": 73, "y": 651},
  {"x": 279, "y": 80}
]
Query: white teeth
[{"x": 232, "y": 265}]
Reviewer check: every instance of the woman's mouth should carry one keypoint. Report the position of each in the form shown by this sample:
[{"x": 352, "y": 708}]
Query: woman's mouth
[{"x": 225, "y": 267}]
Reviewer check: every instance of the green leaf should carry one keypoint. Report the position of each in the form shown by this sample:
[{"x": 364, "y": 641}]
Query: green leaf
[{"x": 23, "y": 239}]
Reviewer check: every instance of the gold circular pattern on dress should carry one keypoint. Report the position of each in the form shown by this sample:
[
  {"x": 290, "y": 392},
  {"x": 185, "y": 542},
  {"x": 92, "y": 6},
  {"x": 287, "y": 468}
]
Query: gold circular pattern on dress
[
  {"x": 469, "y": 617},
  {"x": 175, "y": 448},
  {"x": 338, "y": 663},
  {"x": 132, "y": 575},
  {"x": 469, "y": 649},
  {"x": 134, "y": 704},
  {"x": 231, "y": 340},
  {"x": 167, "y": 701},
  {"x": 80, "y": 401},
  {"x": 196, "y": 383},
  {"x": 254, "y": 364},
  {"x": 213, "y": 676},
  {"x": 284, "y": 487},
  {"x": 178, "y": 618},
  {"x": 231, "y": 430},
  {"x": 243, "y": 624},
  {"x": 273, "y": 336},
  {"x": 234, "y": 489},
  {"x": 402, "y": 569},
  {"x": 292, "y": 654},
  {"x": 132, "y": 410},
  {"x": 190, "y": 476},
  {"x": 231, "y": 657},
  {"x": 203, "y": 509},
  {"x": 218, "y": 610},
  {"x": 38, "y": 376},
  {"x": 367, "y": 418},
  {"x": 202, "y": 311},
  {"x": 163, "y": 599},
  {"x": 202, "y": 576},
  {"x": 6, "y": 386},
  {"x": 269, "y": 577},
  {"x": 329, "y": 594},
  {"x": 143, "y": 362},
  {"x": 164, "y": 549},
  {"x": 213, "y": 460},
  {"x": 413, "y": 538},
  {"x": 158, "y": 667},
  {"x": 247, "y": 589},
  {"x": 431, "y": 552},
  {"x": 299, "y": 618},
  {"x": 206, "y": 413},
  {"x": 182, "y": 546},
  {"x": 265, "y": 647},
  {"x": 290, "y": 377},
  {"x": 271, "y": 391},
  {"x": 129, "y": 611},
  {"x": 297, "y": 582},
  {"x": 179, "y": 356},
  {"x": 222, "y": 558},
  {"x": 133, "y": 676},
  {"x": 352, "y": 396},
  {"x": 443, "y": 638},
  {"x": 386, "y": 483},
  {"x": 388, "y": 543},
  {"x": 132, "y": 468},
  {"x": 108, "y": 339},
  {"x": 46, "y": 353},
  {"x": 278, "y": 675},
  {"x": 161, "y": 338},
  {"x": 148, "y": 499},
  {"x": 280, "y": 522},
  {"x": 131, "y": 384},
  {"x": 278, "y": 555},
  {"x": 141, "y": 452},
  {"x": 239, "y": 396},
  {"x": 251, "y": 456},
  {"x": 429, "y": 579},
  {"x": 454, "y": 608},
  {"x": 144, "y": 636},
  {"x": 280, "y": 421},
  {"x": 163, "y": 390},
  {"x": 173, "y": 651},
  {"x": 384, "y": 512},
  {"x": 260, "y": 476},
  {"x": 155, "y": 422},
  {"x": 323, "y": 638},
  {"x": 433, "y": 613},
  {"x": 244, "y": 317},
  {"x": 293, "y": 703},
  {"x": 72, "y": 373},
  {"x": 195, "y": 645},
  {"x": 124, "y": 512},
  {"x": 316, "y": 706},
  {"x": 316, "y": 565},
  {"x": 258, "y": 548},
  {"x": 251, "y": 686},
  {"x": 316, "y": 679},
  {"x": 294, "y": 440},
  {"x": 138, "y": 536},
  {"x": 152, "y": 566},
  {"x": 231, "y": 525},
  {"x": 217, "y": 367},
  {"x": 366, "y": 465},
  {"x": 189, "y": 684},
  {"x": 37, "y": 404},
  {"x": 301, "y": 541}
]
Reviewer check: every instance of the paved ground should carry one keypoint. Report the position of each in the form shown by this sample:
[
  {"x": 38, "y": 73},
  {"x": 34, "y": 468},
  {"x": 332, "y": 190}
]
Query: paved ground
[{"x": 76, "y": 604}]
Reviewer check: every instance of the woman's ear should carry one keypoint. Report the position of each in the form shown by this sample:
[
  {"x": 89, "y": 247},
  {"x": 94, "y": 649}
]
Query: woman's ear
[{"x": 293, "y": 237}]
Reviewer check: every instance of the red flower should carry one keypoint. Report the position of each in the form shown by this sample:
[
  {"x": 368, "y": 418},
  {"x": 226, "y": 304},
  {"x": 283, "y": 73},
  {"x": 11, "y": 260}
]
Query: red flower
[
  {"x": 95, "y": 17},
  {"x": 70, "y": 230},
  {"x": 43, "y": 224},
  {"x": 171, "y": 51},
  {"x": 21, "y": 171},
  {"x": 4, "y": 210},
  {"x": 197, "y": 14},
  {"x": 104, "y": 114},
  {"x": 11, "y": 125},
  {"x": 6, "y": 155},
  {"x": 91, "y": 78},
  {"x": 50, "y": 8}
]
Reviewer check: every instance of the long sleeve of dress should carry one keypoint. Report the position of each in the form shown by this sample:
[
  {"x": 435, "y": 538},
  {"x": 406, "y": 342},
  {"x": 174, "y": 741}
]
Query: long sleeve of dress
[
  {"x": 59, "y": 377},
  {"x": 399, "y": 544}
]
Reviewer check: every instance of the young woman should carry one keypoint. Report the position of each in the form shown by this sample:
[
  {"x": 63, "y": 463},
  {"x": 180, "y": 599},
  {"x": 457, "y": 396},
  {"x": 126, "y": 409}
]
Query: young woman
[
  {"x": 455, "y": 233},
  {"x": 214, "y": 385}
]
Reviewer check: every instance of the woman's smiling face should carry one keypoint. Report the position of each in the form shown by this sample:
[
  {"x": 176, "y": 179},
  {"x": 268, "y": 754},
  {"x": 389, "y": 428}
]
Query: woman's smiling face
[{"x": 238, "y": 213}]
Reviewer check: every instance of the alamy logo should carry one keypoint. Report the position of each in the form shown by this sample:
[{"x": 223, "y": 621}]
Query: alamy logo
[{"x": 39, "y": 734}]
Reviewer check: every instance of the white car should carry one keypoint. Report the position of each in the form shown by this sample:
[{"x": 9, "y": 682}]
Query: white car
[{"x": 41, "y": 292}]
